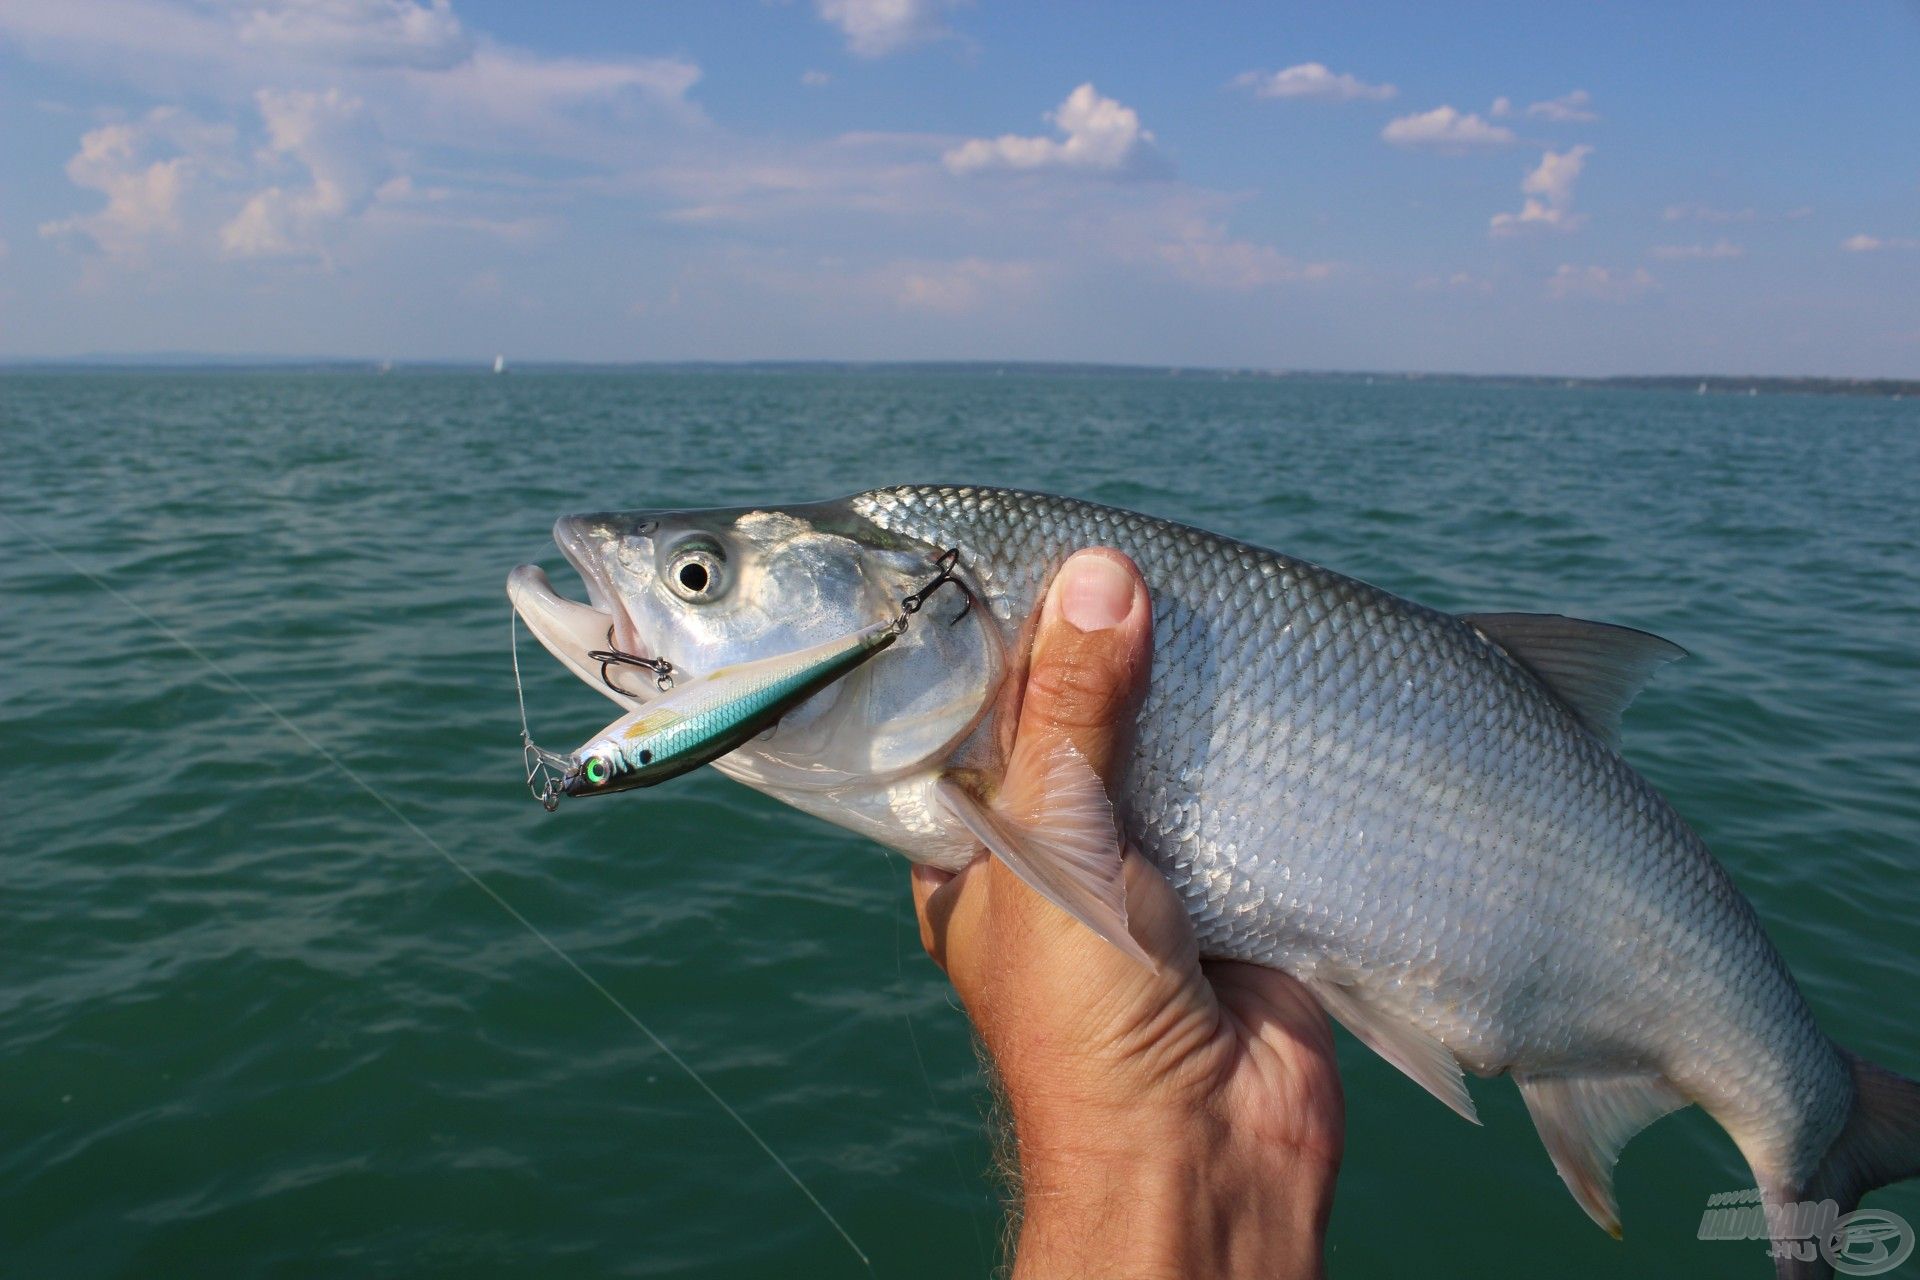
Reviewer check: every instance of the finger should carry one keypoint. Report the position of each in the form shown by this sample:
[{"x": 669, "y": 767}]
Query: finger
[
  {"x": 926, "y": 880},
  {"x": 1091, "y": 655}
]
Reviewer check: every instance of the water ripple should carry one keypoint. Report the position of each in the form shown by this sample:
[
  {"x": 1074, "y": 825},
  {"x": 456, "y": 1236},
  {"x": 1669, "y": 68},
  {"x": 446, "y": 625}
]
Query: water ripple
[{"x": 249, "y": 1025}]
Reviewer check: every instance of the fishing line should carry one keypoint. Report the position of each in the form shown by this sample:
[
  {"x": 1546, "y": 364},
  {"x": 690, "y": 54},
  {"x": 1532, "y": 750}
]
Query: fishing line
[
  {"x": 473, "y": 878},
  {"x": 926, "y": 1077}
]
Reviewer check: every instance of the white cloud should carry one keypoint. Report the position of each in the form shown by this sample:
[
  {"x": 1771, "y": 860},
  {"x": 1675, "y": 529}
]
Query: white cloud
[
  {"x": 534, "y": 92},
  {"x": 1312, "y": 80},
  {"x": 881, "y": 175},
  {"x": 131, "y": 34},
  {"x": 1169, "y": 230},
  {"x": 815, "y": 79},
  {"x": 147, "y": 171},
  {"x": 1549, "y": 194},
  {"x": 1201, "y": 252},
  {"x": 143, "y": 200},
  {"x": 174, "y": 46},
  {"x": 410, "y": 177},
  {"x": 1458, "y": 282},
  {"x": 396, "y": 33},
  {"x": 321, "y": 168},
  {"x": 1101, "y": 136},
  {"x": 330, "y": 136},
  {"x": 917, "y": 286},
  {"x": 398, "y": 205},
  {"x": 1707, "y": 213},
  {"x": 1553, "y": 180},
  {"x": 1501, "y": 108},
  {"x": 1873, "y": 244},
  {"x": 413, "y": 63},
  {"x": 1445, "y": 129},
  {"x": 876, "y": 28},
  {"x": 956, "y": 286},
  {"x": 1600, "y": 284},
  {"x": 1573, "y": 108},
  {"x": 1719, "y": 250}
]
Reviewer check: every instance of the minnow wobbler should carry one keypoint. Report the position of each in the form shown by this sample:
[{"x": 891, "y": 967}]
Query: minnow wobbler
[
  {"x": 703, "y": 719},
  {"x": 1423, "y": 817}
]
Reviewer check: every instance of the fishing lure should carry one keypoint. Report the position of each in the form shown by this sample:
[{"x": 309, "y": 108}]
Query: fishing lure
[
  {"x": 697, "y": 722},
  {"x": 701, "y": 720}
]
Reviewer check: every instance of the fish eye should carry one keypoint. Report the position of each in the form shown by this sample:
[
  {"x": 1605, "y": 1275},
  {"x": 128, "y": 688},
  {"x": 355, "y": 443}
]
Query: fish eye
[
  {"x": 595, "y": 770},
  {"x": 696, "y": 574}
]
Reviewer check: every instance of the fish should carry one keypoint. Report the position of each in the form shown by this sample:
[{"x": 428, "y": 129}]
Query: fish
[
  {"x": 1423, "y": 817},
  {"x": 699, "y": 720}
]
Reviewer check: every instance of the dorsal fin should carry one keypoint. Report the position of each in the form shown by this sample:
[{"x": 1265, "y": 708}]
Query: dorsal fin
[{"x": 1594, "y": 667}]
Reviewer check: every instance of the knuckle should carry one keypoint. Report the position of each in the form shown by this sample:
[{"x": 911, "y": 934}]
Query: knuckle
[{"x": 1081, "y": 689}]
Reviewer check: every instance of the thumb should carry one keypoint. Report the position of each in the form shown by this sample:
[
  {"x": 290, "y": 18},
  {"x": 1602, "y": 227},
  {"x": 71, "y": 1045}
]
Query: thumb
[
  {"x": 1091, "y": 655},
  {"x": 1085, "y": 677}
]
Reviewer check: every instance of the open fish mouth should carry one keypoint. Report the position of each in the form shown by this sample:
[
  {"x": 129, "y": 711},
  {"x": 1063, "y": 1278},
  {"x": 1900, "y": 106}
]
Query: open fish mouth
[{"x": 572, "y": 631}]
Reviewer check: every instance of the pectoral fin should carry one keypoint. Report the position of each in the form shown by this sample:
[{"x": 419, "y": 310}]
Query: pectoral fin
[
  {"x": 1585, "y": 1120},
  {"x": 1066, "y": 849},
  {"x": 1431, "y": 1064}
]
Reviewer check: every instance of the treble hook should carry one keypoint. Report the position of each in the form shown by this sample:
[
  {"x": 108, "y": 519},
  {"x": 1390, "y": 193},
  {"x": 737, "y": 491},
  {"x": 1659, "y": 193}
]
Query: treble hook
[
  {"x": 946, "y": 562},
  {"x": 540, "y": 765},
  {"x": 612, "y": 656}
]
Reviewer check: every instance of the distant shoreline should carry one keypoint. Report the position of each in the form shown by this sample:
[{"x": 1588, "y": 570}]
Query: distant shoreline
[{"x": 1702, "y": 383}]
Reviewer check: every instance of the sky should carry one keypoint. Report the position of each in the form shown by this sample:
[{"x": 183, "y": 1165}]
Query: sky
[{"x": 1501, "y": 188}]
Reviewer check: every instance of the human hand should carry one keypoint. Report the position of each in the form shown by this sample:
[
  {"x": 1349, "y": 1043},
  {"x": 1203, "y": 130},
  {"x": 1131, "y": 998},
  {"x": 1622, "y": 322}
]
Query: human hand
[{"x": 1178, "y": 1123}]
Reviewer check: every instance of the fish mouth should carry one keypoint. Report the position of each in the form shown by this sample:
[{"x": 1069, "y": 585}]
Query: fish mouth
[{"x": 572, "y": 631}]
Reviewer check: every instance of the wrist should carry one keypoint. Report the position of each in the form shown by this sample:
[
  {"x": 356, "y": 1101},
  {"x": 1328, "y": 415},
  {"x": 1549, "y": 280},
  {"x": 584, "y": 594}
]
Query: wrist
[{"x": 1167, "y": 1196}]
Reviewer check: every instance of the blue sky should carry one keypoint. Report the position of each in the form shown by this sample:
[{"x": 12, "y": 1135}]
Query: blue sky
[{"x": 1728, "y": 188}]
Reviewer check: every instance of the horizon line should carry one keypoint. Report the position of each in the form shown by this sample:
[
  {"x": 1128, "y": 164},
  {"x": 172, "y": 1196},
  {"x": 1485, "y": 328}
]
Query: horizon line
[{"x": 189, "y": 361}]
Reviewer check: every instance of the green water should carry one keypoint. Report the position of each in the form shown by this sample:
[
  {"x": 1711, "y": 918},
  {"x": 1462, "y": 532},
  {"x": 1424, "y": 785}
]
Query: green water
[{"x": 250, "y": 1025}]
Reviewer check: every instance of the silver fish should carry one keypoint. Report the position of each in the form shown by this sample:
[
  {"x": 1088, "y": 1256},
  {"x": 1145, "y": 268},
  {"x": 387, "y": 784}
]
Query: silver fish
[{"x": 1423, "y": 817}]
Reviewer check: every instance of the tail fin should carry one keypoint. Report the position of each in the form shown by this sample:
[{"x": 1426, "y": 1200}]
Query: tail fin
[{"x": 1880, "y": 1144}]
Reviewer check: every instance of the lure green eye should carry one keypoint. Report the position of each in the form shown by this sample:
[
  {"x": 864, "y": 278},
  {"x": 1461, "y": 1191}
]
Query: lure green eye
[{"x": 596, "y": 771}]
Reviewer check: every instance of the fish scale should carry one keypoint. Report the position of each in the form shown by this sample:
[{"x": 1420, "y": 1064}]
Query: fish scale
[{"x": 1339, "y": 782}]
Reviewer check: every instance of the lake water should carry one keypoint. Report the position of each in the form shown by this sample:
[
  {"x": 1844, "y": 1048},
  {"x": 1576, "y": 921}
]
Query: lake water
[{"x": 251, "y": 1025}]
